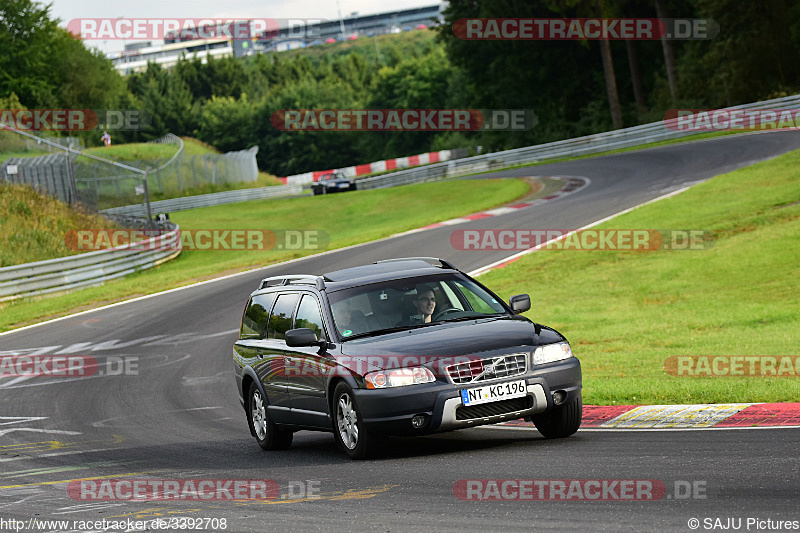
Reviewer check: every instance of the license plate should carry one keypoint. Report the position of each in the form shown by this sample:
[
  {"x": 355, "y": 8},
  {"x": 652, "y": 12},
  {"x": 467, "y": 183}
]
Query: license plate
[
  {"x": 494, "y": 393},
  {"x": 343, "y": 185}
]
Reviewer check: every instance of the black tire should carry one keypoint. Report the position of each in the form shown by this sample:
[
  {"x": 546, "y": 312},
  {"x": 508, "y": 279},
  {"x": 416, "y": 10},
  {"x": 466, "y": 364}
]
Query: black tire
[
  {"x": 267, "y": 434},
  {"x": 561, "y": 422},
  {"x": 348, "y": 426}
]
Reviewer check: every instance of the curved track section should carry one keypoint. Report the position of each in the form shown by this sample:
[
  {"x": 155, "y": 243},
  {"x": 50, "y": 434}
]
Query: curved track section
[{"x": 176, "y": 414}]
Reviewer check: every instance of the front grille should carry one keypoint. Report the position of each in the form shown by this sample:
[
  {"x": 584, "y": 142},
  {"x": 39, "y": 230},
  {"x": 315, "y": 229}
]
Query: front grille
[
  {"x": 466, "y": 412},
  {"x": 489, "y": 368}
]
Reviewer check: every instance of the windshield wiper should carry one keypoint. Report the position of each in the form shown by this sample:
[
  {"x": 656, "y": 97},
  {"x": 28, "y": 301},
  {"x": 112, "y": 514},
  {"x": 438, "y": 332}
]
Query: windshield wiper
[
  {"x": 471, "y": 317},
  {"x": 375, "y": 332}
]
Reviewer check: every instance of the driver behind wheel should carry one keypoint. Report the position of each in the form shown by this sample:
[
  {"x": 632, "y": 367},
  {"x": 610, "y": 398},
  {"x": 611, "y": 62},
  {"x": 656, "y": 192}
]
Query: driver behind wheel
[{"x": 424, "y": 302}]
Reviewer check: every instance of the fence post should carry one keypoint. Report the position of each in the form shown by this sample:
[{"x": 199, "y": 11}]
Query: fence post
[
  {"x": 73, "y": 184},
  {"x": 194, "y": 173},
  {"x": 147, "y": 200},
  {"x": 178, "y": 171}
]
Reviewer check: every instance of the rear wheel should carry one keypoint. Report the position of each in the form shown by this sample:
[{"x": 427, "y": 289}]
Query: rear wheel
[
  {"x": 268, "y": 435},
  {"x": 562, "y": 421},
  {"x": 348, "y": 426}
]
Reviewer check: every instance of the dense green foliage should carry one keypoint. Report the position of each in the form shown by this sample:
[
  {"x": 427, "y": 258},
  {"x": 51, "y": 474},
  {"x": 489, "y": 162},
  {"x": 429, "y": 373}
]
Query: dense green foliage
[{"x": 229, "y": 102}]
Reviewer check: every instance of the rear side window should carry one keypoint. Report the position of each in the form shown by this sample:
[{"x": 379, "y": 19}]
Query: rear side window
[
  {"x": 280, "y": 321},
  {"x": 254, "y": 321},
  {"x": 308, "y": 316}
]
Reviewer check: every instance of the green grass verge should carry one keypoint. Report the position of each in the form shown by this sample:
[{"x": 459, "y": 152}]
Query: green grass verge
[
  {"x": 134, "y": 151},
  {"x": 625, "y": 313},
  {"x": 32, "y": 226},
  {"x": 347, "y": 218}
]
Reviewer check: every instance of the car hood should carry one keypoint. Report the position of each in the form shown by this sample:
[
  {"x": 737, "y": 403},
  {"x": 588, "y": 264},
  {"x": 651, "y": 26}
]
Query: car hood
[{"x": 480, "y": 337}]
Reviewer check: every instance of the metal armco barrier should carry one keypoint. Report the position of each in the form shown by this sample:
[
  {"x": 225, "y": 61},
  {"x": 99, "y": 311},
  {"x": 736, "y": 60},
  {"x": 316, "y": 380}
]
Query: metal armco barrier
[
  {"x": 590, "y": 144},
  {"x": 87, "y": 269},
  {"x": 206, "y": 200},
  {"x": 93, "y": 268}
]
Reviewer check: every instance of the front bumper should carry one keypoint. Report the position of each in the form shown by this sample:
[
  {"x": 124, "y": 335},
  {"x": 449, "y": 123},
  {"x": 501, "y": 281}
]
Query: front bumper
[{"x": 390, "y": 411}]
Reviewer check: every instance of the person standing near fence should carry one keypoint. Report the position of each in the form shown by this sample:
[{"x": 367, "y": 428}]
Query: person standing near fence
[{"x": 106, "y": 138}]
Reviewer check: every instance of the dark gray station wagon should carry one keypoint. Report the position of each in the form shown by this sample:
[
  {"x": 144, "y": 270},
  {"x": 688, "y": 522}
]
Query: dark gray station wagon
[{"x": 400, "y": 347}]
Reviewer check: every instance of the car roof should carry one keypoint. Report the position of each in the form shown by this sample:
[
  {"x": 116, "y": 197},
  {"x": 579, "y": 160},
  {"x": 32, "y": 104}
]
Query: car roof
[
  {"x": 361, "y": 275},
  {"x": 383, "y": 271}
]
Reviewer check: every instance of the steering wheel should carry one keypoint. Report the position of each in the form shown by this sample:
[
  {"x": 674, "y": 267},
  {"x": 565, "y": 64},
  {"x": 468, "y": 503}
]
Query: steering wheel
[{"x": 438, "y": 315}]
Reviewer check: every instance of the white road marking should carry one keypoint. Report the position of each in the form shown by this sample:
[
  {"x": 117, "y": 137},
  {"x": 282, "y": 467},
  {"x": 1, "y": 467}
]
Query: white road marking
[
  {"x": 56, "y": 454},
  {"x": 53, "y": 431},
  {"x": 485, "y": 269},
  {"x": 20, "y": 419},
  {"x": 214, "y": 280}
]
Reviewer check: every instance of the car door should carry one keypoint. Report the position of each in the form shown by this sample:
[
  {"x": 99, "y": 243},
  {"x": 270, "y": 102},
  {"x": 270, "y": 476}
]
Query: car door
[
  {"x": 255, "y": 349},
  {"x": 307, "y": 368},
  {"x": 271, "y": 353}
]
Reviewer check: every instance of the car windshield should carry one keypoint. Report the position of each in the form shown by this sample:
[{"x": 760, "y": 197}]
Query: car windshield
[{"x": 410, "y": 303}]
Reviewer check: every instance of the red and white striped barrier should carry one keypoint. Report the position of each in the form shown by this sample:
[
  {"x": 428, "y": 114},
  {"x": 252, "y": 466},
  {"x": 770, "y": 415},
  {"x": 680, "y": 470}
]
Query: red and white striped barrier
[{"x": 372, "y": 168}]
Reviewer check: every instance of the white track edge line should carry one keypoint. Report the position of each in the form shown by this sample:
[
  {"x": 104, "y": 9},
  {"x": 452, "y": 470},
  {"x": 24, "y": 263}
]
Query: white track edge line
[
  {"x": 484, "y": 269},
  {"x": 213, "y": 280}
]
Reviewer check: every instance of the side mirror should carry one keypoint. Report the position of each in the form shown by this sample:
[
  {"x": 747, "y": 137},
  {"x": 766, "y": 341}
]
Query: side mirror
[
  {"x": 300, "y": 337},
  {"x": 520, "y": 303}
]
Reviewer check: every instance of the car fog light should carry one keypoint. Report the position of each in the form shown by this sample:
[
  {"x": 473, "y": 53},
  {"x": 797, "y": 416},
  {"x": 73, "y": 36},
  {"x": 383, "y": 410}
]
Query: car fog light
[
  {"x": 559, "y": 396},
  {"x": 418, "y": 421}
]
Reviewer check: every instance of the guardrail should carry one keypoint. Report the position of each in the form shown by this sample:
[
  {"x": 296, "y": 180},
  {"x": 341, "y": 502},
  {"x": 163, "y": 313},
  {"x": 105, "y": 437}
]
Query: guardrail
[
  {"x": 206, "y": 200},
  {"x": 87, "y": 269},
  {"x": 590, "y": 144},
  {"x": 94, "y": 268}
]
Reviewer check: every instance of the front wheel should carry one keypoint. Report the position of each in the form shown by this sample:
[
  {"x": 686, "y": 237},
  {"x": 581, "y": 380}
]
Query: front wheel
[
  {"x": 562, "y": 421},
  {"x": 348, "y": 425},
  {"x": 268, "y": 435}
]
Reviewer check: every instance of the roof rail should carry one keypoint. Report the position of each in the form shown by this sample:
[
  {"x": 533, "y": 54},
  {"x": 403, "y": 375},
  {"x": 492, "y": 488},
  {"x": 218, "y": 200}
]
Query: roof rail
[
  {"x": 430, "y": 260},
  {"x": 298, "y": 279}
]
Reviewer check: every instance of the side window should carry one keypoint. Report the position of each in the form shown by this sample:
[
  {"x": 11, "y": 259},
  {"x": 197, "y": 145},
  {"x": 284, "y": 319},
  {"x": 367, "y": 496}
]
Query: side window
[
  {"x": 254, "y": 320},
  {"x": 280, "y": 321},
  {"x": 480, "y": 301},
  {"x": 308, "y": 316}
]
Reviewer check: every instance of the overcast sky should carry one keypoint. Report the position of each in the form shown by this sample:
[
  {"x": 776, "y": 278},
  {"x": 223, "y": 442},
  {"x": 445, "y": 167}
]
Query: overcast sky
[{"x": 67, "y": 10}]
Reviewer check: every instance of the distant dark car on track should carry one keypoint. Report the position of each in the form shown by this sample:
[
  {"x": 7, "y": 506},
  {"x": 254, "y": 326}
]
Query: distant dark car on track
[
  {"x": 333, "y": 182},
  {"x": 401, "y": 347}
]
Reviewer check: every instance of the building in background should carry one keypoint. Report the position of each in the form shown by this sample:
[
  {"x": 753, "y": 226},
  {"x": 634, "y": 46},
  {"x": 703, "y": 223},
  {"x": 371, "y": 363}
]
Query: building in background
[{"x": 136, "y": 55}]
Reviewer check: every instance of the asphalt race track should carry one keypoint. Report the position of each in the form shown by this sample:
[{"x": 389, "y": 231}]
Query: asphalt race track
[{"x": 176, "y": 414}]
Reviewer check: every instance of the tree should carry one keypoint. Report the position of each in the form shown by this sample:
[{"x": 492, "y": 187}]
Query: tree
[{"x": 46, "y": 66}]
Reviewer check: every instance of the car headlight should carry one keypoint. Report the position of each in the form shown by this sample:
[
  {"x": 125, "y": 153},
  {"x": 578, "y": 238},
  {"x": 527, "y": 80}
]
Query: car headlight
[
  {"x": 550, "y": 353},
  {"x": 399, "y": 377}
]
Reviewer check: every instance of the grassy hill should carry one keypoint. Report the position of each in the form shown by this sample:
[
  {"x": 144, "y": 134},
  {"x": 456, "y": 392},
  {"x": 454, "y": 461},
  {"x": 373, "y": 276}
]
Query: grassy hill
[
  {"x": 32, "y": 226},
  {"x": 169, "y": 183}
]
